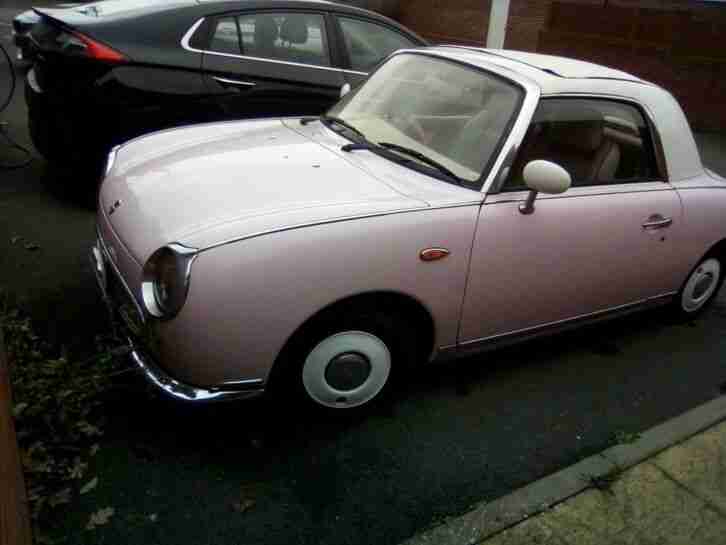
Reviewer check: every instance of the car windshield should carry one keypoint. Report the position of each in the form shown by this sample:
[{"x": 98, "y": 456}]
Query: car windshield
[{"x": 454, "y": 115}]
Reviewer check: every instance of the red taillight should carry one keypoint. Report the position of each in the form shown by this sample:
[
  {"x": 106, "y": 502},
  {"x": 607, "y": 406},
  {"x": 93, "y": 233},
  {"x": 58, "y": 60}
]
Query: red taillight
[{"x": 99, "y": 51}]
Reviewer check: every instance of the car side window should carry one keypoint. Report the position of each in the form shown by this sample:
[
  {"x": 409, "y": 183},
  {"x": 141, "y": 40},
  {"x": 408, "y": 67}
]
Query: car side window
[
  {"x": 226, "y": 38},
  {"x": 291, "y": 37},
  {"x": 369, "y": 43},
  {"x": 597, "y": 141}
]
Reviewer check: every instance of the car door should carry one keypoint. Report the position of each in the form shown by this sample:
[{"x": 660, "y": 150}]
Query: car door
[
  {"x": 271, "y": 63},
  {"x": 604, "y": 244},
  {"x": 366, "y": 43}
]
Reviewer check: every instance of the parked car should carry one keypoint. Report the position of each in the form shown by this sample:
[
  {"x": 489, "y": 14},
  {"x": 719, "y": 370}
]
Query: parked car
[
  {"x": 458, "y": 200},
  {"x": 22, "y": 24},
  {"x": 108, "y": 71}
]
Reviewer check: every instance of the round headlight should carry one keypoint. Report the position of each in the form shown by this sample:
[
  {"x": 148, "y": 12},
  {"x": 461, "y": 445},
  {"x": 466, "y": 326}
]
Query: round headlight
[{"x": 166, "y": 280}]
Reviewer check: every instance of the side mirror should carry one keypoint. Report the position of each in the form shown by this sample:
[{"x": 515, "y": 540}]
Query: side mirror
[
  {"x": 344, "y": 90},
  {"x": 544, "y": 176}
]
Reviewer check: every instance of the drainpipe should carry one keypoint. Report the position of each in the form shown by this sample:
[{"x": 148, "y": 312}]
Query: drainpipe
[{"x": 498, "y": 16}]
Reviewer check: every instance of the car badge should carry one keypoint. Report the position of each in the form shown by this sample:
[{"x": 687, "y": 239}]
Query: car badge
[{"x": 113, "y": 207}]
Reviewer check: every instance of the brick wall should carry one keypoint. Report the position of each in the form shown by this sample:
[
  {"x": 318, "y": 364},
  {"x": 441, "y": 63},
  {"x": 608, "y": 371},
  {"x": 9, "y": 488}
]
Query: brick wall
[
  {"x": 679, "y": 44},
  {"x": 450, "y": 21}
]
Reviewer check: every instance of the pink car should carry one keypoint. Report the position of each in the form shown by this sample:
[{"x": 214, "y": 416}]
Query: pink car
[{"x": 458, "y": 200}]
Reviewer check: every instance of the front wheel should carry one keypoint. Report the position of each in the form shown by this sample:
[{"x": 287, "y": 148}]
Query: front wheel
[
  {"x": 348, "y": 360},
  {"x": 701, "y": 287}
]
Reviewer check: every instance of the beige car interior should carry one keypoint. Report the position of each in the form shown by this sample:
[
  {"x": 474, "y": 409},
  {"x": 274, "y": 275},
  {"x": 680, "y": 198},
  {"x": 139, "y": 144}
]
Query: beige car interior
[{"x": 595, "y": 148}]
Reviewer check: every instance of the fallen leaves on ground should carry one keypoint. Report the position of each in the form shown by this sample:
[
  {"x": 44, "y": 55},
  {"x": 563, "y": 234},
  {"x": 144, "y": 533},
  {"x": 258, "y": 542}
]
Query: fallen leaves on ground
[
  {"x": 243, "y": 506},
  {"x": 90, "y": 485},
  {"x": 100, "y": 518},
  {"x": 64, "y": 496}
]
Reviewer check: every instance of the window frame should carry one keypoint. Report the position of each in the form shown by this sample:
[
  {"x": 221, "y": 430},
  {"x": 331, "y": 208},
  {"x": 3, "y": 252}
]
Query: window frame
[
  {"x": 343, "y": 46},
  {"x": 655, "y": 141}
]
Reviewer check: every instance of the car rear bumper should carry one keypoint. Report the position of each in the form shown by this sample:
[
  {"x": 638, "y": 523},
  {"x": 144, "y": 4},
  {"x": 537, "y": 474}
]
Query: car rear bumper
[{"x": 124, "y": 310}]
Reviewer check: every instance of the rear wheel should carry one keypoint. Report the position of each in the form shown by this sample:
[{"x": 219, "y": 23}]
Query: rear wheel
[
  {"x": 701, "y": 287},
  {"x": 347, "y": 360}
]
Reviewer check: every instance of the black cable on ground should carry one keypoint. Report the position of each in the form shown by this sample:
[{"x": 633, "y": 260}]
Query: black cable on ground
[{"x": 3, "y": 130}]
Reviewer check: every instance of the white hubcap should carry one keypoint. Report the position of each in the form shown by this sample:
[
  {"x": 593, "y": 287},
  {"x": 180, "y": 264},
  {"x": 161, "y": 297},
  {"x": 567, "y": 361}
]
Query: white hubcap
[
  {"x": 701, "y": 285},
  {"x": 360, "y": 360}
]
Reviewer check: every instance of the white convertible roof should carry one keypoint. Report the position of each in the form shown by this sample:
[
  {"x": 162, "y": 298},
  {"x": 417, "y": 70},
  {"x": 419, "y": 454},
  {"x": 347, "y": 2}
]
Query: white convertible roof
[{"x": 562, "y": 76}]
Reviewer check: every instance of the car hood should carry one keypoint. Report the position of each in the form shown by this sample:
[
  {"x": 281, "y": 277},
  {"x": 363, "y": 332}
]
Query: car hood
[{"x": 206, "y": 184}]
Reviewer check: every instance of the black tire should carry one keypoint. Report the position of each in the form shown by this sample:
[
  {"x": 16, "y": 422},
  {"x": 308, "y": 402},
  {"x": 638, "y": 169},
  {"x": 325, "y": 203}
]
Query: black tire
[
  {"x": 691, "y": 302},
  {"x": 288, "y": 379}
]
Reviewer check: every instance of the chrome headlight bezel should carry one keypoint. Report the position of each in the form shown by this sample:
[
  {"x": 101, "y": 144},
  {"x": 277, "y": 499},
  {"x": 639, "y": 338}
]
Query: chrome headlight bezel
[
  {"x": 110, "y": 160},
  {"x": 151, "y": 291}
]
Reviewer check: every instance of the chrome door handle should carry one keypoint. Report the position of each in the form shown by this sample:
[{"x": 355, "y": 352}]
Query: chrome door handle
[
  {"x": 657, "y": 221},
  {"x": 237, "y": 83}
]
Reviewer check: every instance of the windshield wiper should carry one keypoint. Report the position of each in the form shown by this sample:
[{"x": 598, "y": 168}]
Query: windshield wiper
[
  {"x": 423, "y": 158},
  {"x": 343, "y": 123}
]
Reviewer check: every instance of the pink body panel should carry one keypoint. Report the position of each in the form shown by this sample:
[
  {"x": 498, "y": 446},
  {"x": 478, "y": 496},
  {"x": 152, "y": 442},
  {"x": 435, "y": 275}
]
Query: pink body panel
[
  {"x": 247, "y": 298},
  {"x": 579, "y": 253},
  {"x": 202, "y": 184},
  {"x": 704, "y": 202}
]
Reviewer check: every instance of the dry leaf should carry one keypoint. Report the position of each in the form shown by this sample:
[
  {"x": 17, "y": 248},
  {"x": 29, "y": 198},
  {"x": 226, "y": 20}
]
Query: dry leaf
[
  {"x": 31, "y": 246},
  {"x": 78, "y": 469},
  {"x": 244, "y": 505},
  {"x": 100, "y": 517},
  {"x": 18, "y": 409},
  {"x": 90, "y": 485},
  {"x": 15, "y": 240},
  {"x": 64, "y": 496}
]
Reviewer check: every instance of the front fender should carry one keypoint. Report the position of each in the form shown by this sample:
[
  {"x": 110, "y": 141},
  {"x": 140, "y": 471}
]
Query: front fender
[{"x": 248, "y": 297}]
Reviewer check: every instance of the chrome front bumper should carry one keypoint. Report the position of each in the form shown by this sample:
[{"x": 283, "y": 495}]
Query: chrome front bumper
[{"x": 103, "y": 266}]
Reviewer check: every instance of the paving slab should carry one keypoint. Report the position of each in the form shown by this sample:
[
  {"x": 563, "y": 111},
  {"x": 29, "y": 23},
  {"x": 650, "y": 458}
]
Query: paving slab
[
  {"x": 668, "y": 486},
  {"x": 641, "y": 507},
  {"x": 698, "y": 465}
]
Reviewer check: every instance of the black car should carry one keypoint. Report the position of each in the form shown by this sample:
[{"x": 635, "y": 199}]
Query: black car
[
  {"x": 108, "y": 71},
  {"x": 23, "y": 23}
]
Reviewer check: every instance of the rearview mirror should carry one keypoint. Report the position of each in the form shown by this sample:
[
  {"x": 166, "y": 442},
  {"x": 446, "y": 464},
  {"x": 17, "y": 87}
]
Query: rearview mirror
[
  {"x": 544, "y": 176},
  {"x": 344, "y": 90}
]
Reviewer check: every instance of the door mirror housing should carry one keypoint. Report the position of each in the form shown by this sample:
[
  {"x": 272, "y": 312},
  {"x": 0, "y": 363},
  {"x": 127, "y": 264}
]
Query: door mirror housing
[
  {"x": 544, "y": 176},
  {"x": 344, "y": 90}
]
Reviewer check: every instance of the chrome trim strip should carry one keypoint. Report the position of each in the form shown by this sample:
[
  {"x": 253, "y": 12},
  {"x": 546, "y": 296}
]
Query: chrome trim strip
[
  {"x": 111, "y": 159},
  {"x": 582, "y": 191},
  {"x": 118, "y": 274},
  {"x": 335, "y": 220},
  {"x": 185, "y": 392},
  {"x": 248, "y": 384},
  {"x": 485, "y": 344},
  {"x": 587, "y": 316},
  {"x": 234, "y": 81},
  {"x": 188, "y": 36}
]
